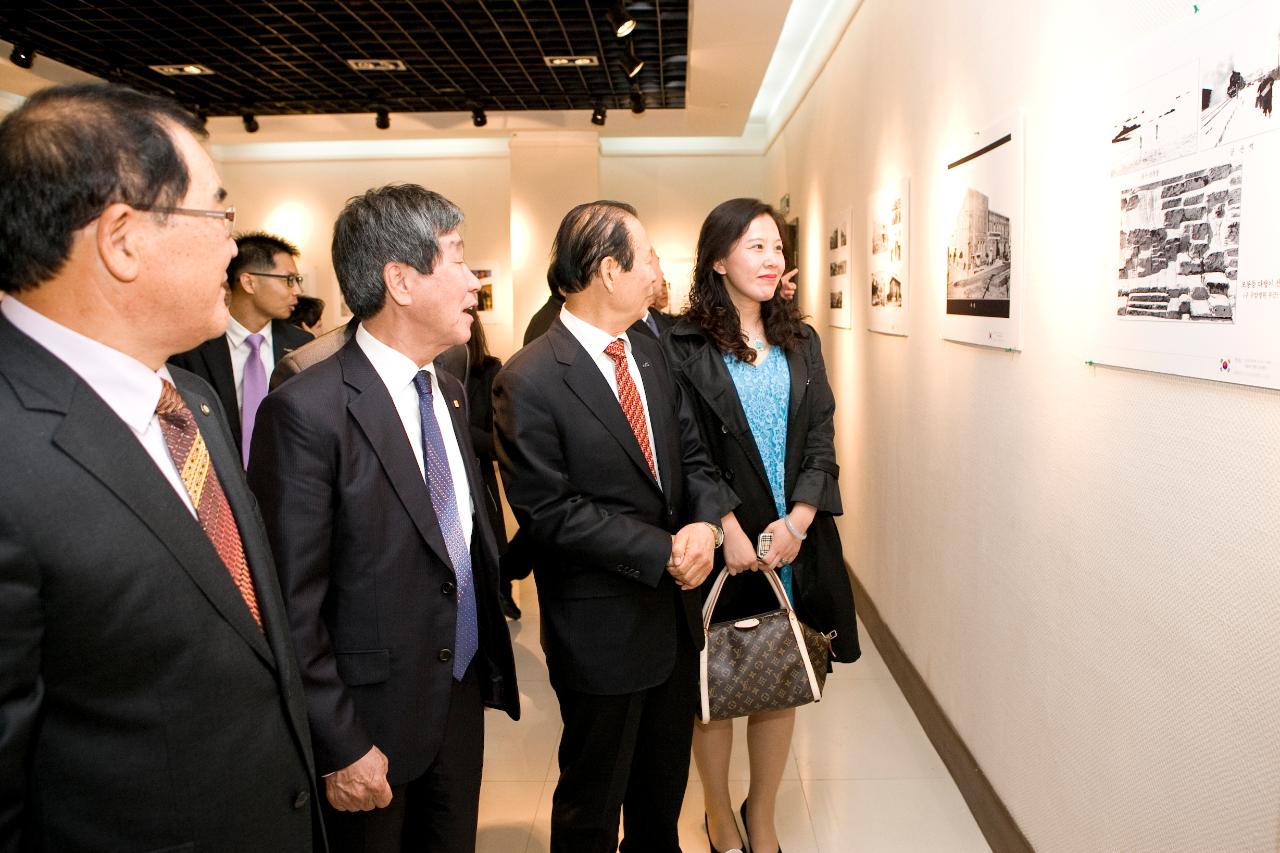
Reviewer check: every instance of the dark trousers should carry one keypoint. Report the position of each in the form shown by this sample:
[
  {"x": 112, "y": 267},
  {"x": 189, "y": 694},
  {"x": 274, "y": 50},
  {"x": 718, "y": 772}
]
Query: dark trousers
[
  {"x": 438, "y": 810},
  {"x": 627, "y": 753}
]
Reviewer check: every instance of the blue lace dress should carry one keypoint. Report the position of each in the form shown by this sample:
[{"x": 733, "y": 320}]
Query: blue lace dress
[{"x": 764, "y": 388}]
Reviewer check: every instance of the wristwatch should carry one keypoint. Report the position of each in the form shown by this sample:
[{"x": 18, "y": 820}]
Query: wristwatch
[{"x": 717, "y": 531}]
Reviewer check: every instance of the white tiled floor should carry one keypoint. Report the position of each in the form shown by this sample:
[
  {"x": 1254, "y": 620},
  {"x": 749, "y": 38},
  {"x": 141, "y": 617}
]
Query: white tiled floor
[{"x": 862, "y": 774}]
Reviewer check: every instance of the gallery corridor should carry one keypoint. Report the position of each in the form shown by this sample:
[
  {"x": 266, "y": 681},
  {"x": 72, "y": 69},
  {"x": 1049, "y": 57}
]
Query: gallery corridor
[{"x": 862, "y": 775}]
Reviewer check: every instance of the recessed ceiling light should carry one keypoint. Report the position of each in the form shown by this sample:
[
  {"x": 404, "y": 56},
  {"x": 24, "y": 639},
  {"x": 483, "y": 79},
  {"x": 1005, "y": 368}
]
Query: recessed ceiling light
[
  {"x": 377, "y": 65},
  {"x": 188, "y": 69},
  {"x": 570, "y": 60}
]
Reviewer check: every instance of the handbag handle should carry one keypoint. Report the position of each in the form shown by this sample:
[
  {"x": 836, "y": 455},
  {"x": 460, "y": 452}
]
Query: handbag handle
[{"x": 709, "y": 606}]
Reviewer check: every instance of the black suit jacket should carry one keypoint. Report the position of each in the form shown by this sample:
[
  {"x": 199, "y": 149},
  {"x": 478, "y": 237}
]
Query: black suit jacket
[
  {"x": 821, "y": 587},
  {"x": 140, "y": 706},
  {"x": 364, "y": 567},
  {"x": 211, "y": 361},
  {"x": 598, "y": 524}
]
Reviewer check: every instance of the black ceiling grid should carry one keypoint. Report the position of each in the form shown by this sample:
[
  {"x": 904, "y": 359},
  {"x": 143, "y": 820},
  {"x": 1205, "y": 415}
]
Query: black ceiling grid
[{"x": 289, "y": 57}]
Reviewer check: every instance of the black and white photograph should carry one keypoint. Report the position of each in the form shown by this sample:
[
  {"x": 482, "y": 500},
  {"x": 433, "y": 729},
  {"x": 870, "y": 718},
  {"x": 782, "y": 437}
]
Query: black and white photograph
[
  {"x": 887, "y": 258},
  {"x": 1238, "y": 79},
  {"x": 979, "y": 259},
  {"x": 1156, "y": 122},
  {"x": 1180, "y": 247},
  {"x": 984, "y": 194},
  {"x": 839, "y": 305}
]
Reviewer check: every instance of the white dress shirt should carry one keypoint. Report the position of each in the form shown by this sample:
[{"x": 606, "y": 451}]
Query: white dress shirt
[
  {"x": 594, "y": 341},
  {"x": 126, "y": 385},
  {"x": 397, "y": 371},
  {"x": 237, "y": 341}
]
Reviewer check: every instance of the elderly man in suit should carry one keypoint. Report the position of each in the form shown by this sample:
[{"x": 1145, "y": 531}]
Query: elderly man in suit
[
  {"x": 264, "y": 282},
  {"x": 149, "y": 696},
  {"x": 368, "y": 482},
  {"x": 607, "y": 475}
]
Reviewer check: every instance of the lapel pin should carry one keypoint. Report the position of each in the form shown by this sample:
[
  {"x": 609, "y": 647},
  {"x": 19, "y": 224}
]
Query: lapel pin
[
  {"x": 456, "y": 404},
  {"x": 646, "y": 364},
  {"x": 204, "y": 408}
]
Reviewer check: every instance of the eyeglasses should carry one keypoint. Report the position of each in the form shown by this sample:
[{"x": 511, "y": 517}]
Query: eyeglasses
[
  {"x": 229, "y": 214},
  {"x": 293, "y": 279}
]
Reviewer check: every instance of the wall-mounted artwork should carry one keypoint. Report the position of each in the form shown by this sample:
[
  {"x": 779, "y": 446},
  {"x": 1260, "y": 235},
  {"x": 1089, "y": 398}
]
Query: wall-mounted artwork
[
  {"x": 888, "y": 257},
  {"x": 1195, "y": 289},
  {"x": 839, "y": 298},
  {"x": 984, "y": 259}
]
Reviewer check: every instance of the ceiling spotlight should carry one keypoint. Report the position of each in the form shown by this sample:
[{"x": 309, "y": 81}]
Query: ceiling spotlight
[
  {"x": 22, "y": 55},
  {"x": 478, "y": 118},
  {"x": 382, "y": 119},
  {"x": 598, "y": 115},
  {"x": 630, "y": 62},
  {"x": 250, "y": 123},
  {"x": 621, "y": 22},
  {"x": 637, "y": 100}
]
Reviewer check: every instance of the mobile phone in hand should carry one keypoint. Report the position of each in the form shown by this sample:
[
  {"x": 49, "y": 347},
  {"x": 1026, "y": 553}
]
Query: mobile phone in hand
[{"x": 763, "y": 544}]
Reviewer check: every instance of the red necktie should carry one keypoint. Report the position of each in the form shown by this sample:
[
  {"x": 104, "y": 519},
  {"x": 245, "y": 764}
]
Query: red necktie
[
  {"x": 629, "y": 399},
  {"x": 188, "y": 452}
]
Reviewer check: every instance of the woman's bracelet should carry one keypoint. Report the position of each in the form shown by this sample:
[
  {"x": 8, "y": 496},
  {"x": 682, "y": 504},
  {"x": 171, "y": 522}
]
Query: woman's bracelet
[{"x": 800, "y": 537}]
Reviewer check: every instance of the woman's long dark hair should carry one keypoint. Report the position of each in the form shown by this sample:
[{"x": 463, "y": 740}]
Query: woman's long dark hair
[
  {"x": 477, "y": 344},
  {"x": 710, "y": 307}
]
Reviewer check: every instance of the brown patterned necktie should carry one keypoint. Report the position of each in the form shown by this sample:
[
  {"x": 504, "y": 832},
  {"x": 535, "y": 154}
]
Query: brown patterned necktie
[
  {"x": 188, "y": 452},
  {"x": 629, "y": 399}
]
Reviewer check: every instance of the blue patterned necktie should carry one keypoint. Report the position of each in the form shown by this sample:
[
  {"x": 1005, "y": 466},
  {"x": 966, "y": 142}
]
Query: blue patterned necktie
[{"x": 445, "y": 502}]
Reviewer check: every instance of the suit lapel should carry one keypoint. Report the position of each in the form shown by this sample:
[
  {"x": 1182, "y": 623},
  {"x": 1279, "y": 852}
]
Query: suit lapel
[
  {"x": 217, "y": 359},
  {"x": 799, "y": 369},
  {"x": 373, "y": 409},
  {"x": 283, "y": 335},
  {"x": 92, "y": 435},
  {"x": 711, "y": 380},
  {"x": 585, "y": 380}
]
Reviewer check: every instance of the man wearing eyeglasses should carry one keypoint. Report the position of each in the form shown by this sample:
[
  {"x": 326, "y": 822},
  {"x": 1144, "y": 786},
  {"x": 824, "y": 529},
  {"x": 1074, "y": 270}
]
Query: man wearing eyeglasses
[
  {"x": 149, "y": 695},
  {"x": 265, "y": 285}
]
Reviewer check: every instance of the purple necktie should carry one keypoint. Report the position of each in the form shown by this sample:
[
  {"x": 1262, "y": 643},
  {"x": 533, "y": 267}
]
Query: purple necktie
[
  {"x": 444, "y": 500},
  {"x": 255, "y": 389}
]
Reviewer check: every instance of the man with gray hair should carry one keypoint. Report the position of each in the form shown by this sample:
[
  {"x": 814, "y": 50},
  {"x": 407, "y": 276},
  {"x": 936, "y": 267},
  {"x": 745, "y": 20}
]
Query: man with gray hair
[{"x": 367, "y": 479}]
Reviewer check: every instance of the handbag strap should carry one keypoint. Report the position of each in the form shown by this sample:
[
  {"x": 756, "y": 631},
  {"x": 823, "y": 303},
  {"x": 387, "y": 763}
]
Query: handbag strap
[{"x": 709, "y": 606}]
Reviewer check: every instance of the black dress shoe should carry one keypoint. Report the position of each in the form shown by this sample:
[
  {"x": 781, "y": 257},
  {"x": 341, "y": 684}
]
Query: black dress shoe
[
  {"x": 743, "y": 811},
  {"x": 706, "y": 824}
]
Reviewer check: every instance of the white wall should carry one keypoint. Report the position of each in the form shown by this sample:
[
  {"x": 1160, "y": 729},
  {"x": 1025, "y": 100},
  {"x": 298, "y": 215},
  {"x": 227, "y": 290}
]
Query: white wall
[
  {"x": 300, "y": 200},
  {"x": 673, "y": 194},
  {"x": 513, "y": 203},
  {"x": 1080, "y": 561}
]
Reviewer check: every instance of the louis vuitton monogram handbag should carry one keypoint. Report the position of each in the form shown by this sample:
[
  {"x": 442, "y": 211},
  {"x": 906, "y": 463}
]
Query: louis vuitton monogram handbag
[{"x": 766, "y": 662}]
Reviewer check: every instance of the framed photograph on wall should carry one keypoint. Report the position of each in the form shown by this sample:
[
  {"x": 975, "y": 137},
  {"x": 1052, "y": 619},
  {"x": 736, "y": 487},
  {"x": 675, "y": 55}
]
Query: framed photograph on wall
[
  {"x": 888, "y": 259},
  {"x": 1194, "y": 199},
  {"x": 486, "y": 300},
  {"x": 984, "y": 193},
  {"x": 839, "y": 298}
]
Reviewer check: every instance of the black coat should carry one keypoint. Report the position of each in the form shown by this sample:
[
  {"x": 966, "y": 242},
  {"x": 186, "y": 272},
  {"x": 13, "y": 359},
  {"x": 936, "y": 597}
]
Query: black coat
[
  {"x": 598, "y": 526},
  {"x": 140, "y": 706},
  {"x": 823, "y": 594},
  {"x": 364, "y": 567},
  {"x": 480, "y": 397},
  {"x": 211, "y": 361}
]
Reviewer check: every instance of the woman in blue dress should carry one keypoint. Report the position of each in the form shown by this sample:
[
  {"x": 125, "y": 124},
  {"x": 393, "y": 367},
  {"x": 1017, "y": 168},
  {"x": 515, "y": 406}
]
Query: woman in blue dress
[{"x": 755, "y": 375}]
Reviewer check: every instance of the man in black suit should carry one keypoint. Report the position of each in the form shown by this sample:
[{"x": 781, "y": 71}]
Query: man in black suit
[
  {"x": 609, "y": 480},
  {"x": 265, "y": 284},
  {"x": 149, "y": 696},
  {"x": 368, "y": 482}
]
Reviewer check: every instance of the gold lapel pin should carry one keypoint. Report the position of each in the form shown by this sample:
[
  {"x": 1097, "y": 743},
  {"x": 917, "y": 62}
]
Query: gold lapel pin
[
  {"x": 456, "y": 404},
  {"x": 204, "y": 408}
]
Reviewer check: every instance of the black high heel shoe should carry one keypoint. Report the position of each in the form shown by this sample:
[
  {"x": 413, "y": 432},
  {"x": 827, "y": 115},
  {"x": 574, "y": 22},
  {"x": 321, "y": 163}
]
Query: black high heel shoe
[
  {"x": 743, "y": 811},
  {"x": 706, "y": 824}
]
